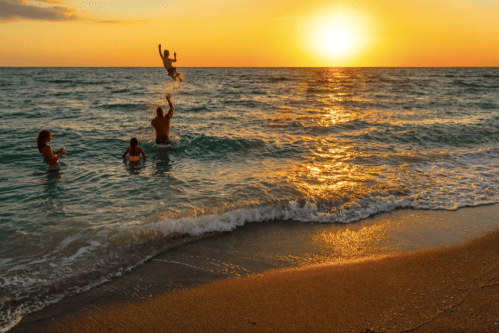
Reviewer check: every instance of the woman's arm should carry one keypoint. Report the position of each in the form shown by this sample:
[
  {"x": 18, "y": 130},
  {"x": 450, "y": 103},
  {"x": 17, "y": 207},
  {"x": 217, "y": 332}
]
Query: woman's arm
[
  {"x": 52, "y": 159},
  {"x": 143, "y": 154},
  {"x": 126, "y": 152}
]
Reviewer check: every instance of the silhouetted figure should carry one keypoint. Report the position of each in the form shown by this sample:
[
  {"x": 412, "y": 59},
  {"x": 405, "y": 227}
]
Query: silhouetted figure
[
  {"x": 161, "y": 123},
  {"x": 134, "y": 152},
  {"x": 50, "y": 158},
  {"x": 167, "y": 62}
]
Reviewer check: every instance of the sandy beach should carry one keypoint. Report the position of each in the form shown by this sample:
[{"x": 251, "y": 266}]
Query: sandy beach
[{"x": 376, "y": 286}]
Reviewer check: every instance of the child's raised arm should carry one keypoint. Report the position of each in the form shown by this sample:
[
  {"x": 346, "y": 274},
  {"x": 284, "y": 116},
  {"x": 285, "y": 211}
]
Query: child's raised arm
[{"x": 160, "y": 51}]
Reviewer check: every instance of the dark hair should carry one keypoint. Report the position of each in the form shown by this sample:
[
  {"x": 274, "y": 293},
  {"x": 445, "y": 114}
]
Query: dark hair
[
  {"x": 42, "y": 137},
  {"x": 133, "y": 144},
  {"x": 160, "y": 112}
]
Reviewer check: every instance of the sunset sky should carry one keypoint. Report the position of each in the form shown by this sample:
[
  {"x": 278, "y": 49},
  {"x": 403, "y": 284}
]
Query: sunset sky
[{"x": 256, "y": 33}]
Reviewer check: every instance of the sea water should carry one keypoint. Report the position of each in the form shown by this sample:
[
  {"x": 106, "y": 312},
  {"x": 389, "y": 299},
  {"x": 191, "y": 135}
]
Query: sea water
[{"x": 250, "y": 145}]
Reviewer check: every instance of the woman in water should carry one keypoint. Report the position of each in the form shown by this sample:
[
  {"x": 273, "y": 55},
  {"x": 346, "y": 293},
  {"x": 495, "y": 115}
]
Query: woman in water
[
  {"x": 45, "y": 137},
  {"x": 134, "y": 152}
]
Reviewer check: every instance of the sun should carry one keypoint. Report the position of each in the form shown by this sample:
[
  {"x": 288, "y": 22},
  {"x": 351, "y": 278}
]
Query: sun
[
  {"x": 337, "y": 41},
  {"x": 336, "y": 36}
]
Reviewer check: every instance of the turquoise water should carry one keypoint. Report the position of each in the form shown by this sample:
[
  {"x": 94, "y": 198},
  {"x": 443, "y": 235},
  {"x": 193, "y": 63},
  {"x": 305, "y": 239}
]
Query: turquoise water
[{"x": 251, "y": 145}]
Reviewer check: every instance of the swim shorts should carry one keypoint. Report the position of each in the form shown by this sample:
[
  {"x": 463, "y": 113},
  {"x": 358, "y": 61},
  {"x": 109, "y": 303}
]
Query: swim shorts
[
  {"x": 163, "y": 140},
  {"x": 172, "y": 71}
]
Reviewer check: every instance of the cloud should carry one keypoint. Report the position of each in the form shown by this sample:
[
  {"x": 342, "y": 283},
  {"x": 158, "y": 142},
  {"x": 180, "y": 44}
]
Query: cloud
[
  {"x": 56, "y": 2},
  {"x": 11, "y": 10}
]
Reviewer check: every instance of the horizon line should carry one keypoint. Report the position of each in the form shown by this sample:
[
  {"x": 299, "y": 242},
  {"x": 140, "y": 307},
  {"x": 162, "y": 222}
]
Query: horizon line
[{"x": 251, "y": 67}]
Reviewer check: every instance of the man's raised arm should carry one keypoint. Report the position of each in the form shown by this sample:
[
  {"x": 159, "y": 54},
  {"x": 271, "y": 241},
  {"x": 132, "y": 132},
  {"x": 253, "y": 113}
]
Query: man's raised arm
[{"x": 172, "y": 107}]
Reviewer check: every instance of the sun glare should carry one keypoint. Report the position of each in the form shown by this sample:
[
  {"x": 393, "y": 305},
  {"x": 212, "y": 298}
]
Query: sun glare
[
  {"x": 337, "y": 41},
  {"x": 337, "y": 36}
]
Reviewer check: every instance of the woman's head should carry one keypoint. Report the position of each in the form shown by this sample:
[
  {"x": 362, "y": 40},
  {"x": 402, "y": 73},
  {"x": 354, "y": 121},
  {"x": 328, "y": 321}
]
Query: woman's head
[
  {"x": 134, "y": 142},
  {"x": 160, "y": 112},
  {"x": 43, "y": 137},
  {"x": 166, "y": 53}
]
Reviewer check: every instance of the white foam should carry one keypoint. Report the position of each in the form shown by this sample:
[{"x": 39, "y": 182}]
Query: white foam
[
  {"x": 93, "y": 245},
  {"x": 309, "y": 212},
  {"x": 67, "y": 241}
]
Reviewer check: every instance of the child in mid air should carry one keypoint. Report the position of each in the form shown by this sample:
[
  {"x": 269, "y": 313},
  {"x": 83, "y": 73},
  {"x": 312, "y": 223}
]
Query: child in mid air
[{"x": 167, "y": 62}]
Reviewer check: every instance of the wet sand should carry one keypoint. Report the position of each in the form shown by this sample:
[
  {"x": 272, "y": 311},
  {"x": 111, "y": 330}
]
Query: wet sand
[{"x": 355, "y": 278}]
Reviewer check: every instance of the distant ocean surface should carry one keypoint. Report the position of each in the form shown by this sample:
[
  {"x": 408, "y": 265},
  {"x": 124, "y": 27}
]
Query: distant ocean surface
[{"x": 251, "y": 145}]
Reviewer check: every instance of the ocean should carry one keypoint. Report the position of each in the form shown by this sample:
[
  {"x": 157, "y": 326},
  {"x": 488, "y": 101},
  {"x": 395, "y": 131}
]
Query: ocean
[{"x": 315, "y": 145}]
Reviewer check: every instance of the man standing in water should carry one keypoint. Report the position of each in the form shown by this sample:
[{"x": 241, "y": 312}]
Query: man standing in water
[
  {"x": 167, "y": 62},
  {"x": 161, "y": 123}
]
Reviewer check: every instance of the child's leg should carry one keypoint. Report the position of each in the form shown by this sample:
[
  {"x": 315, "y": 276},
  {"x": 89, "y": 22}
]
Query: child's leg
[{"x": 178, "y": 77}]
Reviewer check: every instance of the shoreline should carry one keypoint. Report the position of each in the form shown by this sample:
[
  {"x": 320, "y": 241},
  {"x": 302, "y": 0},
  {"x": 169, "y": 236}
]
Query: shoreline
[{"x": 231, "y": 277}]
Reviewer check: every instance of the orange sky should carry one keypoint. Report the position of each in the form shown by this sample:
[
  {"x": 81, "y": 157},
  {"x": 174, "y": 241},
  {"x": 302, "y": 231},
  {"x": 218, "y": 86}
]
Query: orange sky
[{"x": 221, "y": 33}]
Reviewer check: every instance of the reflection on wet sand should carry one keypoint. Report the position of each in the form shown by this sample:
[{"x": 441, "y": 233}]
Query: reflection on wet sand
[{"x": 367, "y": 242}]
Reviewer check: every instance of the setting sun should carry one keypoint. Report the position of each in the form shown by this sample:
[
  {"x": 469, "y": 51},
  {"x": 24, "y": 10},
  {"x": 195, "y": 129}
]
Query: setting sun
[
  {"x": 338, "y": 36},
  {"x": 249, "y": 34},
  {"x": 337, "y": 41}
]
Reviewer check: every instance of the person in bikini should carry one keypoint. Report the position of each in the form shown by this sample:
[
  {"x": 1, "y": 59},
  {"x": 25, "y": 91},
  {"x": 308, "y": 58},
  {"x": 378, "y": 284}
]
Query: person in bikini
[
  {"x": 50, "y": 158},
  {"x": 161, "y": 123},
  {"x": 134, "y": 152},
  {"x": 167, "y": 62}
]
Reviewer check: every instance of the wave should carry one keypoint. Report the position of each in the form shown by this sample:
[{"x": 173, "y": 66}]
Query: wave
[
  {"x": 468, "y": 84},
  {"x": 435, "y": 133},
  {"x": 208, "y": 145},
  {"x": 62, "y": 93},
  {"x": 278, "y": 79},
  {"x": 307, "y": 211},
  {"x": 118, "y": 91},
  {"x": 488, "y": 105},
  {"x": 199, "y": 109},
  {"x": 61, "y": 81},
  {"x": 482, "y": 155},
  {"x": 314, "y": 128},
  {"x": 123, "y": 106},
  {"x": 69, "y": 81},
  {"x": 140, "y": 243}
]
